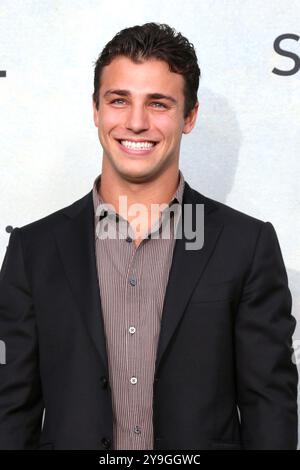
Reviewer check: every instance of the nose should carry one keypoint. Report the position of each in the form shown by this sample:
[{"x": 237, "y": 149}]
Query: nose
[{"x": 137, "y": 119}]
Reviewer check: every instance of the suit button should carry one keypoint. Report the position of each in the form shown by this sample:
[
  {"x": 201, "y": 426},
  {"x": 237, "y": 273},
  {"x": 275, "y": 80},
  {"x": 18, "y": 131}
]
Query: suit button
[
  {"x": 104, "y": 382},
  {"x": 106, "y": 443}
]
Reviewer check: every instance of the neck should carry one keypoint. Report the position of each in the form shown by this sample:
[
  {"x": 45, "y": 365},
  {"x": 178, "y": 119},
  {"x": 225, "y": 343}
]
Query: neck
[{"x": 158, "y": 190}]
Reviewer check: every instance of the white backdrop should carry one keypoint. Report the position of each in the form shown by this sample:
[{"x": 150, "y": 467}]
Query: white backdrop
[{"x": 244, "y": 150}]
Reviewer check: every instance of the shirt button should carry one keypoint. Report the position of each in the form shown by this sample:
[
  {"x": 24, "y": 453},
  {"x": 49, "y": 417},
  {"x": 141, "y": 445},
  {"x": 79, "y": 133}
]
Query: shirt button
[
  {"x": 132, "y": 330},
  {"x": 132, "y": 281},
  {"x": 137, "y": 430},
  {"x": 133, "y": 380}
]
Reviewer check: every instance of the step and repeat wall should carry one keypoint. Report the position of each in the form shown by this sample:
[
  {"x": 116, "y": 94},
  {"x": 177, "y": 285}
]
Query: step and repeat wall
[{"x": 244, "y": 150}]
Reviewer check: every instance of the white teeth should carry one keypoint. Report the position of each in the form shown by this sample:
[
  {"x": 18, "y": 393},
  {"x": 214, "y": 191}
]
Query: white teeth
[{"x": 137, "y": 145}]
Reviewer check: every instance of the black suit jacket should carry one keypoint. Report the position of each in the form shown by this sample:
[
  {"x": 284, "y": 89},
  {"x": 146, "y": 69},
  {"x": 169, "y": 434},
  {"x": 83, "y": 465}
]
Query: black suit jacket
[{"x": 224, "y": 377}]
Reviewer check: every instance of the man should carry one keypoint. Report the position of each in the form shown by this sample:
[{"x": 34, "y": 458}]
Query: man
[{"x": 134, "y": 341}]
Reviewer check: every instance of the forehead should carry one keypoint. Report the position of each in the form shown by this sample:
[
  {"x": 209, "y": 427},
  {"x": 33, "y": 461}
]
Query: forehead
[{"x": 152, "y": 75}]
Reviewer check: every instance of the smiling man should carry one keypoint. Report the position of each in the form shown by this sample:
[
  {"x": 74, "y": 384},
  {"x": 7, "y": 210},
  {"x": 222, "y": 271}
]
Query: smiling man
[
  {"x": 139, "y": 112},
  {"x": 127, "y": 339}
]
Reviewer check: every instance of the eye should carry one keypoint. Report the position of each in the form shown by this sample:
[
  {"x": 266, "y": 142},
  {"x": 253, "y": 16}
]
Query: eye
[
  {"x": 118, "y": 99},
  {"x": 160, "y": 104}
]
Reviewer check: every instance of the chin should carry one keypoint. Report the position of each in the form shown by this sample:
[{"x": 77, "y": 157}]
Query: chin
[{"x": 137, "y": 176}]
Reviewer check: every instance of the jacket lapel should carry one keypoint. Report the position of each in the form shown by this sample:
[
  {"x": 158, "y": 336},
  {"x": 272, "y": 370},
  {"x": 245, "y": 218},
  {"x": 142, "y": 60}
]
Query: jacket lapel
[
  {"x": 76, "y": 244},
  {"x": 186, "y": 269}
]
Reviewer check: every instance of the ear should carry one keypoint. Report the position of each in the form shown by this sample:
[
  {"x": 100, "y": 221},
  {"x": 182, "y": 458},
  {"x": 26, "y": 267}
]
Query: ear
[
  {"x": 190, "y": 120},
  {"x": 95, "y": 114}
]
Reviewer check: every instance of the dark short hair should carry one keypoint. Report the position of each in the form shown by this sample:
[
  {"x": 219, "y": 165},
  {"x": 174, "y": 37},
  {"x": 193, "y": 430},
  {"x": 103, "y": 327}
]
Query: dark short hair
[{"x": 153, "y": 40}]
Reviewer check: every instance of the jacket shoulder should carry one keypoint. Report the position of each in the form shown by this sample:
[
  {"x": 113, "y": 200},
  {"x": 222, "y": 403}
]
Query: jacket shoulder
[
  {"x": 239, "y": 225},
  {"x": 232, "y": 214},
  {"x": 228, "y": 214},
  {"x": 54, "y": 219}
]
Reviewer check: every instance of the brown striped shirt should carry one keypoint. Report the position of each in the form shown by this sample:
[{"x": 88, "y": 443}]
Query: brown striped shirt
[{"x": 132, "y": 283}]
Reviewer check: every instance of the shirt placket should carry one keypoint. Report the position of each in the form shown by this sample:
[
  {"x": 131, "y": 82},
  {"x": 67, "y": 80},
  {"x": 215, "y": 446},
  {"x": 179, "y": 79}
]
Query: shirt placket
[{"x": 134, "y": 351}]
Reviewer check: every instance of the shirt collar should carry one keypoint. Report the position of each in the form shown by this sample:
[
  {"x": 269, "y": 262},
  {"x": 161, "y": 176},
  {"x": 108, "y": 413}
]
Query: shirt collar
[{"x": 106, "y": 210}]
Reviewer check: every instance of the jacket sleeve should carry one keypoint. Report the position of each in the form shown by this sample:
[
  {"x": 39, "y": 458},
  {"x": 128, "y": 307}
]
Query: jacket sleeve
[
  {"x": 21, "y": 403},
  {"x": 266, "y": 375}
]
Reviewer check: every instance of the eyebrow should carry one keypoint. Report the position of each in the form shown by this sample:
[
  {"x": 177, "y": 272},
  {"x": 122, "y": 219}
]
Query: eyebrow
[{"x": 153, "y": 96}]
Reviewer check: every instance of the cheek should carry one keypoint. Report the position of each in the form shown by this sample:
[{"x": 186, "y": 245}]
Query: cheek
[
  {"x": 109, "y": 119},
  {"x": 170, "y": 130},
  {"x": 168, "y": 123}
]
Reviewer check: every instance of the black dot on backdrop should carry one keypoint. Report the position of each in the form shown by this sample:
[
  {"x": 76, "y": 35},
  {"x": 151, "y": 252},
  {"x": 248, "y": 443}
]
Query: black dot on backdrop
[{"x": 9, "y": 229}]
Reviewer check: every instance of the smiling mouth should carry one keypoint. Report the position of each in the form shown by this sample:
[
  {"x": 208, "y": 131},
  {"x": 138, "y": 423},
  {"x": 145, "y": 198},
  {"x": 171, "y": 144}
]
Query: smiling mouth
[
  {"x": 142, "y": 147},
  {"x": 139, "y": 144}
]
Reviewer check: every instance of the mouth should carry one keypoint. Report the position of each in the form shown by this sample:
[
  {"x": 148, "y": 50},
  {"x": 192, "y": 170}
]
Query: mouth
[{"x": 137, "y": 148}]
